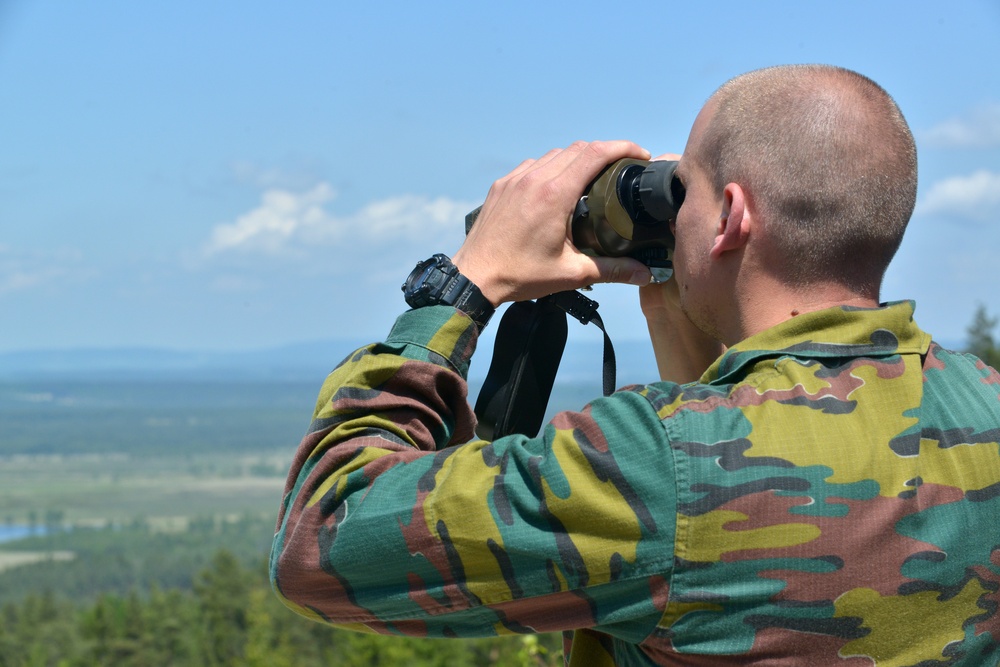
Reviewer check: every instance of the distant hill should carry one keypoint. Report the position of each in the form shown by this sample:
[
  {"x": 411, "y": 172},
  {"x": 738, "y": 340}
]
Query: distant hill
[
  {"x": 310, "y": 361},
  {"x": 292, "y": 361},
  {"x": 581, "y": 362}
]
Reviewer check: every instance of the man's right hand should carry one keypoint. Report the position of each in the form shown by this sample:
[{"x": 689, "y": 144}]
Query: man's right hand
[{"x": 521, "y": 245}]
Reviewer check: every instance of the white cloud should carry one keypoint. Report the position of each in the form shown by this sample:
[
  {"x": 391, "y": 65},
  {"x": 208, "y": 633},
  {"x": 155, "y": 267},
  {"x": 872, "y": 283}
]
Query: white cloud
[
  {"x": 409, "y": 216},
  {"x": 271, "y": 227},
  {"x": 23, "y": 270},
  {"x": 296, "y": 224},
  {"x": 974, "y": 197},
  {"x": 978, "y": 129}
]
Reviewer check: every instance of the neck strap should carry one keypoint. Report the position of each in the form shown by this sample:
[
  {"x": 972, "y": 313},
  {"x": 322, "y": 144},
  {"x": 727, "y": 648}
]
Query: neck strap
[{"x": 529, "y": 346}]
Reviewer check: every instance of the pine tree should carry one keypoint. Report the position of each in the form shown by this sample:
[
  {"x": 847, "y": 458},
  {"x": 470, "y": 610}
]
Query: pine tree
[
  {"x": 981, "y": 341},
  {"x": 174, "y": 616},
  {"x": 267, "y": 646},
  {"x": 99, "y": 627},
  {"x": 223, "y": 593}
]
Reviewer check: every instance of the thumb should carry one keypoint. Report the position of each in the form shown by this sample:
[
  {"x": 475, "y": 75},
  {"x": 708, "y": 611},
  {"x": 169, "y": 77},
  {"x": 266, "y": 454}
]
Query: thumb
[{"x": 623, "y": 270}]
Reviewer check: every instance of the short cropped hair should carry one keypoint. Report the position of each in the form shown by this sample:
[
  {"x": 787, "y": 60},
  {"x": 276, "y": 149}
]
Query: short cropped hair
[{"x": 827, "y": 160}]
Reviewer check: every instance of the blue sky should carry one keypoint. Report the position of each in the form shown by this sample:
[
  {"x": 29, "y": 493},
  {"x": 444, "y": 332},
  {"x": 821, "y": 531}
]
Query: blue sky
[{"x": 237, "y": 175}]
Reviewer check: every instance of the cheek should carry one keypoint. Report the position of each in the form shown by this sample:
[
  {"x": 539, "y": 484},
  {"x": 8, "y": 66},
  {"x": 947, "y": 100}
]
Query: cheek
[
  {"x": 690, "y": 262},
  {"x": 679, "y": 258},
  {"x": 683, "y": 243}
]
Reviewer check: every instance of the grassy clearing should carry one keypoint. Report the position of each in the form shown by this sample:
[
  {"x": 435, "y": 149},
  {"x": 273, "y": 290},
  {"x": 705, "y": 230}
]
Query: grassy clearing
[
  {"x": 95, "y": 489},
  {"x": 12, "y": 559}
]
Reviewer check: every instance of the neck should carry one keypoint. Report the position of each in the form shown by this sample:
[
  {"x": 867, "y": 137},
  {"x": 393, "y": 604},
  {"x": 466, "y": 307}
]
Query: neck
[{"x": 775, "y": 303}]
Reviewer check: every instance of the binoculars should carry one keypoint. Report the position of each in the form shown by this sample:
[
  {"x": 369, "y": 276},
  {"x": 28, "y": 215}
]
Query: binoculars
[{"x": 626, "y": 212}]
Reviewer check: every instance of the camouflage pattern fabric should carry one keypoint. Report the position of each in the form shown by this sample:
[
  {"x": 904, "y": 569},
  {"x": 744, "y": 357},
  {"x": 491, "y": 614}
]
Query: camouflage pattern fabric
[{"x": 827, "y": 494}]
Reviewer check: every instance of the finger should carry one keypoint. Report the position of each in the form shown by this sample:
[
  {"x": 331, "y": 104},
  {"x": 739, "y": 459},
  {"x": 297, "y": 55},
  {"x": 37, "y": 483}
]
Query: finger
[
  {"x": 571, "y": 168},
  {"x": 549, "y": 165},
  {"x": 623, "y": 270},
  {"x": 530, "y": 173},
  {"x": 548, "y": 156},
  {"x": 502, "y": 183},
  {"x": 667, "y": 156},
  {"x": 528, "y": 165},
  {"x": 588, "y": 160}
]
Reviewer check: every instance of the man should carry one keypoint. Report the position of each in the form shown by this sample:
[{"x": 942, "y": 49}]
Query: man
[{"x": 826, "y": 492}]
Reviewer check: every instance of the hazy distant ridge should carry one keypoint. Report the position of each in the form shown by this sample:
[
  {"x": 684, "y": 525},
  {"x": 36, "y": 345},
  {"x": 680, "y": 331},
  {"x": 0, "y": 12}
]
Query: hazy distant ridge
[
  {"x": 304, "y": 359},
  {"x": 581, "y": 362}
]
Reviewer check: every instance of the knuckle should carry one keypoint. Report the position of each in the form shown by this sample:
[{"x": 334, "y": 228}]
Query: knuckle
[
  {"x": 584, "y": 273},
  {"x": 550, "y": 192},
  {"x": 597, "y": 150},
  {"x": 612, "y": 274},
  {"x": 496, "y": 189},
  {"x": 530, "y": 180}
]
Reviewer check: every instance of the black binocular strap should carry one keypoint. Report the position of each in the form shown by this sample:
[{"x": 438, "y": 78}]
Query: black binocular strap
[
  {"x": 584, "y": 310},
  {"x": 529, "y": 346}
]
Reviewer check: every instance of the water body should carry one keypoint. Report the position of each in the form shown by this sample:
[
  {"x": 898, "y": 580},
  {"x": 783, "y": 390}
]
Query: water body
[{"x": 11, "y": 532}]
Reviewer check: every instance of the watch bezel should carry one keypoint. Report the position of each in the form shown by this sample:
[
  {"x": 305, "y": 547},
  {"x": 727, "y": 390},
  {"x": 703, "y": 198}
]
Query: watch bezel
[
  {"x": 427, "y": 284},
  {"x": 437, "y": 280}
]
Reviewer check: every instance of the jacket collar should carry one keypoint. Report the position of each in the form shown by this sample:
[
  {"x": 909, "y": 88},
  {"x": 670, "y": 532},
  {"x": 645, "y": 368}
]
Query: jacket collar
[{"x": 840, "y": 331}]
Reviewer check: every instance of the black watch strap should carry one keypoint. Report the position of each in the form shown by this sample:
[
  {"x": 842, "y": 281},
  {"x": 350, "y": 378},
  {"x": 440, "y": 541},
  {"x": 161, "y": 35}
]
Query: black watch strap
[
  {"x": 437, "y": 281},
  {"x": 472, "y": 302}
]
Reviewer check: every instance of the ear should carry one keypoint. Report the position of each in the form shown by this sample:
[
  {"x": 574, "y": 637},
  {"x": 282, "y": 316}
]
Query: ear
[{"x": 734, "y": 223}]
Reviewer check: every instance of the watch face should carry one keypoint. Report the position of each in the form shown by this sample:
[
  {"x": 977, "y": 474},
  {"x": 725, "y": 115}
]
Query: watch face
[
  {"x": 426, "y": 282},
  {"x": 437, "y": 281}
]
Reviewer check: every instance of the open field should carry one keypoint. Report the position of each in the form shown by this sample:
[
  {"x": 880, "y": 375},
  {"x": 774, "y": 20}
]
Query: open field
[
  {"x": 153, "y": 418},
  {"x": 95, "y": 489},
  {"x": 77, "y": 452},
  {"x": 14, "y": 559},
  {"x": 91, "y": 452}
]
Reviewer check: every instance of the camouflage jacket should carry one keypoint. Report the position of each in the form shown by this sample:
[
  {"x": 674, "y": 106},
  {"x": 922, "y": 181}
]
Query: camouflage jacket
[{"x": 827, "y": 494}]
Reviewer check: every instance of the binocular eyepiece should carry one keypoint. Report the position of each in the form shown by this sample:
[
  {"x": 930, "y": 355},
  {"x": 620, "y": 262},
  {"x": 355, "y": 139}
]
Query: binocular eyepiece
[{"x": 626, "y": 212}]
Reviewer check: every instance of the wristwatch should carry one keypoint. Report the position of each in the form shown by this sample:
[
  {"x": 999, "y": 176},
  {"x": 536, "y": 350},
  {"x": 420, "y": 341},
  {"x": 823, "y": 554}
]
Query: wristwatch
[{"x": 437, "y": 281}]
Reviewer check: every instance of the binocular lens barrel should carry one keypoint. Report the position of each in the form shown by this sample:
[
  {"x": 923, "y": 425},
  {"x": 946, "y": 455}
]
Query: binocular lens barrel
[{"x": 626, "y": 211}]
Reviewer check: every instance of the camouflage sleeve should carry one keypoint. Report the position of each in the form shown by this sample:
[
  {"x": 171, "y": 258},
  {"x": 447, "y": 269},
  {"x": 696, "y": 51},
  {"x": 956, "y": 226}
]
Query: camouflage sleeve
[{"x": 386, "y": 528}]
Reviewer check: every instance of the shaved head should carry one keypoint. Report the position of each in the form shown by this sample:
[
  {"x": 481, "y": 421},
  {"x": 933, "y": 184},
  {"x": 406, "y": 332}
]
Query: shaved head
[{"x": 829, "y": 165}]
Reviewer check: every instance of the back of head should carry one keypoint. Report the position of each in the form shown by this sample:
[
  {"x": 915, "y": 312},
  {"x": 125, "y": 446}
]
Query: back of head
[{"x": 828, "y": 163}]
